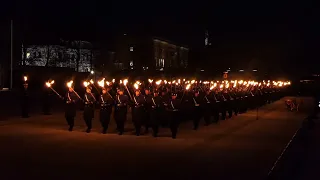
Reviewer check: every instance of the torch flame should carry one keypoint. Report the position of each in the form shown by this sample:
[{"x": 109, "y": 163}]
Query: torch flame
[
  {"x": 113, "y": 80},
  {"x": 25, "y": 78},
  {"x": 136, "y": 86},
  {"x": 158, "y": 82},
  {"x": 48, "y": 84},
  {"x": 91, "y": 81},
  {"x": 101, "y": 83},
  {"x": 85, "y": 83},
  {"x": 69, "y": 84},
  {"x": 108, "y": 83},
  {"x": 125, "y": 81},
  {"x": 150, "y": 80},
  {"x": 188, "y": 86},
  {"x": 221, "y": 86}
]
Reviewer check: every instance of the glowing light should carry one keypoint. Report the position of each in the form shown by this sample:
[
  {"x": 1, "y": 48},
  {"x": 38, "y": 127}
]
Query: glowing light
[
  {"x": 150, "y": 80},
  {"x": 158, "y": 82},
  {"x": 48, "y": 84},
  {"x": 125, "y": 82},
  {"x": 69, "y": 84},
  {"x": 108, "y": 83},
  {"x": 113, "y": 80},
  {"x": 25, "y": 78},
  {"x": 91, "y": 81},
  {"x": 188, "y": 86},
  {"x": 86, "y": 84},
  {"x": 136, "y": 86},
  {"x": 92, "y": 72},
  {"x": 221, "y": 86},
  {"x": 193, "y": 81},
  {"x": 101, "y": 83}
]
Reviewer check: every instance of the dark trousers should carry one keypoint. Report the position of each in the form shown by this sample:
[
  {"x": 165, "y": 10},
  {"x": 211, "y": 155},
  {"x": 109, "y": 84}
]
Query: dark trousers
[
  {"x": 70, "y": 121},
  {"x": 207, "y": 114},
  {"x": 147, "y": 119},
  {"x": 155, "y": 121},
  {"x": 105, "y": 114},
  {"x": 137, "y": 117},
  {"x": 120, "y": 117},
  {"x": 174, "y": 122},
  {"x": 88, "y": 115},
  {"x": 196, "y": 117}
]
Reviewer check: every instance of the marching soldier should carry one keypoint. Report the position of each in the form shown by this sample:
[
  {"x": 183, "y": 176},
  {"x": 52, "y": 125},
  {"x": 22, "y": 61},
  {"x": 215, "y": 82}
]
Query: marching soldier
[
  {"x": 148, "y": 108},
  {"x": 25, "y": 101},
  {"x": 121, "y": 109},
  {"x": 196, "y": 110},
  {"x": 157, "y": 108},
  {"x": 70, "y": 111},
  {"x": 88, "y": 113},
  {"x": 207, "y": 108},
  {"x": 106, "y": 103},
  {"x": 174, "y": 117},
  {"x": 138, "y": 110},
  {"x": 46, "y": 101},
  {"x": 216, "y": 106}
]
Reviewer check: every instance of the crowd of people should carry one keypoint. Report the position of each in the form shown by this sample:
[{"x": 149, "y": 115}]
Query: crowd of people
[{"x": 165, "y": 104}]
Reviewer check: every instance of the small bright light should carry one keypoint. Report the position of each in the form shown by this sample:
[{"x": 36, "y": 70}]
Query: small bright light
[
  {"x": 28, "y": 55},
  {"x": 25, "y": 78},
  {"x": 85, "y": 83},
  {"x": 92, "y": 72},
  {"x": 131, "y": 49},
  {"x": 241, "y": 70},
  {"x": 254, "y": 70},
  {"x": 202, "y": 70}
]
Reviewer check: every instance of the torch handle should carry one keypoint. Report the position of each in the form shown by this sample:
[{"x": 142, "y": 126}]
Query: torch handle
[
  {"x": 76, "y": 94},
  {"x": 55, "y": 92},
  {"x": 129, "y": 92}
]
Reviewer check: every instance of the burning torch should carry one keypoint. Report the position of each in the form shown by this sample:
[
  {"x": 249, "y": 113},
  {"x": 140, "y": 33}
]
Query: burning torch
[
  {"x": 49, "y": 85},
  {"x": 69, "y": 85}
]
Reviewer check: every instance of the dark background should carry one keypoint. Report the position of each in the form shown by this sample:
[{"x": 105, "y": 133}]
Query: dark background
[{"x": 282, "y": 35}]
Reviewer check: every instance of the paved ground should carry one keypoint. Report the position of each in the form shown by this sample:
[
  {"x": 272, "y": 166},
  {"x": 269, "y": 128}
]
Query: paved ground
[{"x": 241, "y": 147}]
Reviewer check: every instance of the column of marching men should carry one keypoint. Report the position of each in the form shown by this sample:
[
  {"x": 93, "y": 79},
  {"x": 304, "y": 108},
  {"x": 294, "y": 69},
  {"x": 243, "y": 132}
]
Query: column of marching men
[{"x": 163, "y": 104}]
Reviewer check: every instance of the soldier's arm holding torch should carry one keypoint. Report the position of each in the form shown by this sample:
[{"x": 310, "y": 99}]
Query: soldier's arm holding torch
[{"x": 49, "y": 85}]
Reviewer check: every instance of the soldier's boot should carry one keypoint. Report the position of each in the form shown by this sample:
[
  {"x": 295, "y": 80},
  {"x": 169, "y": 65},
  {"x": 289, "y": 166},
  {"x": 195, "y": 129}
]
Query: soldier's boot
[{"x": 70, "y": 128}]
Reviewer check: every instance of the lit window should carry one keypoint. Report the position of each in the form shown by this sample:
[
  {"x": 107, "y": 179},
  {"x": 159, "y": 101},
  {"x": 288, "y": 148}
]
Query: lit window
[
  {"x": 28, "y": 55},
  {"x": 131, "y": 48},
  {"x": 131, "y": 63}
]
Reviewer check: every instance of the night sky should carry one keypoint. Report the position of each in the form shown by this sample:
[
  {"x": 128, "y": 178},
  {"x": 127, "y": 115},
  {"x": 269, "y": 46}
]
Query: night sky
[{"x": 282, "y": 33}]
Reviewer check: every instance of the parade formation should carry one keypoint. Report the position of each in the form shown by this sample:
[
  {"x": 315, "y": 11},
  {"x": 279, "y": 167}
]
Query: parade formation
[{"x": 156, "y": 104}]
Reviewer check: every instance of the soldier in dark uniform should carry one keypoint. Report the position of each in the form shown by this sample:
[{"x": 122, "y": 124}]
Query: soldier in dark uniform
[
  {"x": 174, "y": 116},
  {"x": 121, "y": 109},
  {"x": 138, "y": 110},
  {"x": 88, "y": 112},
  {"x": 223, "y": 106},
  {"x": 148, "y": 108},
  {"x": 157, "y": 108},
  {"x": 106, "y": 103},
  {"x": 207, "y": 107},
  {"x": 216, "y": 106},
  {"x": 197, "y": 114},
  {"x": 70, "y": 111},
  {"x": 46, "y": 101},
  {"x": 164, "y": 116},
  {"x": 229, "y": 101},
  {"x": 25, "y": 101}
]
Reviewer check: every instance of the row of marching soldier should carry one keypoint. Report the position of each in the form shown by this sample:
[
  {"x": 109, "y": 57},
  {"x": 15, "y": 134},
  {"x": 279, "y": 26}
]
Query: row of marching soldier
[
  {"x": 160, "y": 106},
  {"x": 156, "y": 105}
]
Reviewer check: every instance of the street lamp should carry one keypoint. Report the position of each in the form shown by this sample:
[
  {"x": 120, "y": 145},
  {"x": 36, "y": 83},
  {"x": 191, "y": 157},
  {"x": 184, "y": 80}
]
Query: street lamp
[{"x": 92, "y": 72}]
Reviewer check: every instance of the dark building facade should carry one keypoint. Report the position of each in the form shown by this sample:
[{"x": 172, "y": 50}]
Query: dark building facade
[{"x": 146, "y": 52}]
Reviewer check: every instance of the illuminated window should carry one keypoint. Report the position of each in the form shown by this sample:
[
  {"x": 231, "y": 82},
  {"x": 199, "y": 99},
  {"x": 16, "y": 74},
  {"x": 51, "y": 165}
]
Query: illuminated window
[
  {"x": 161, "y": 62},
  {"x": 28, "y": 55},
  {"x": 131, "y": 48},
  {"x": 131, "y": 63}
]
